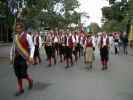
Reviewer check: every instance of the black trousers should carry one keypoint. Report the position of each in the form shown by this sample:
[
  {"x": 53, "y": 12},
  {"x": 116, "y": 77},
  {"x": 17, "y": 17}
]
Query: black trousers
[
  {"x": 68, "y": 55},
  {"x": 56, "y": 48},
  {"x": 20, "y": 67},
  {"x": 50, "y": 51},
  {"x": 36, "y": 53},
  {"x": 61, "y": 49},
  {"x": 104, "y": 53}
]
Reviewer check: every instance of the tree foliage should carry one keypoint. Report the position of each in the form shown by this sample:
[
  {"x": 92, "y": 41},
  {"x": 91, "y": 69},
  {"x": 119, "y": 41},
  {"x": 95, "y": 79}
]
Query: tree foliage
[
  {"x": 116, "y": 16},
  {"x": 57, "y": 13},
  {"x": 94, "y": 28},
  {"x": 4, "y": 12}
]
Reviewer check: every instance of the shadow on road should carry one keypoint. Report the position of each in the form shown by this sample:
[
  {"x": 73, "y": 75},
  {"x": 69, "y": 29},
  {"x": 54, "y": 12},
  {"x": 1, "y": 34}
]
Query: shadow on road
[{"x": 40, "y": 86}]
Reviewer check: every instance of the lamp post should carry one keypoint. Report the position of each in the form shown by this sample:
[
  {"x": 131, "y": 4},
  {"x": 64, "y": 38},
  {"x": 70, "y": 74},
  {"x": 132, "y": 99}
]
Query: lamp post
[{"x": 44, "y": 11}]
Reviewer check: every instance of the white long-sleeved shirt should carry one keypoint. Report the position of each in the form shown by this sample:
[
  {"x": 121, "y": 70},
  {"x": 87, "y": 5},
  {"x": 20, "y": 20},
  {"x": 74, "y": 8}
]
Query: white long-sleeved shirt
[
  {"x": 81, "y": 40},
  {"x": 111, "y": 40},
  {"x": 104, "y": 41},
  {"x": 94, "y": 40},
  {"x": 31, "y": 47},
  {"x": 73, "y": 40},
  {"x": 40, "y": 41},
  {"x": 56, "y": 39}
]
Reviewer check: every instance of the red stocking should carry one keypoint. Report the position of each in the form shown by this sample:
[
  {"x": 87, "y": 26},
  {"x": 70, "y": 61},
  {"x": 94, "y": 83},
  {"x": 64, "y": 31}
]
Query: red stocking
[
  {"x": 20, "y": 85},
  {"x": 49, "y": 61}
]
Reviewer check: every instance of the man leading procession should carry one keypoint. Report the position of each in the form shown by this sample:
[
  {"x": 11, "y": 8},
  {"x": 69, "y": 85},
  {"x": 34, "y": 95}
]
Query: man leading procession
[{"x": 22, "y": 53}]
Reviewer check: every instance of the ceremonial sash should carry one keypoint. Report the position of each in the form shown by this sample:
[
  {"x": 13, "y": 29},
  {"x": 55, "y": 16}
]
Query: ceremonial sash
[{"x": 22, "y": 46}]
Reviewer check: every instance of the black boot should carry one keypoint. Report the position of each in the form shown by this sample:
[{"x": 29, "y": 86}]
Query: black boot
[
  {"x": 67, "y": 66},
  {"x": 55, "y": 61},
  {"x": 103, "y": 68},
  {"x": 49, "y": 65},
  {"x": 90, "y": 66},
  {"x": 106, "y": 67}
]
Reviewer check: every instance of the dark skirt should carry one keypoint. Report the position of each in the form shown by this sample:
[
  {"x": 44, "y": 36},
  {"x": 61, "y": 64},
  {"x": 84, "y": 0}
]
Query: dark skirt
[
  {"x": 104, "y": 53},
  {"x": 20, "y": 67}
]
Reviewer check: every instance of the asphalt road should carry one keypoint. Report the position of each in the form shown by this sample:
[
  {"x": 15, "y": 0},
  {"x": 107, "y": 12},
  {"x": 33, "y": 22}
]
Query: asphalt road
[{"x": 76, "y": 83}]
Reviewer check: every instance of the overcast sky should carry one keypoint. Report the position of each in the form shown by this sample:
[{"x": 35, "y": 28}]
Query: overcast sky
[{"x": 93, "y": 9}]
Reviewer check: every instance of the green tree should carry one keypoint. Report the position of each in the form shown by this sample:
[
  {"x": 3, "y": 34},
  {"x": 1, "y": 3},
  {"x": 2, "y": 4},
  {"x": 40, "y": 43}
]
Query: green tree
[
  {"x": 94, "y": 28},
  {"x": 5, "y": 12},
  {"x": 116, "y": 16},
  {"x": 52, "y": 18}
]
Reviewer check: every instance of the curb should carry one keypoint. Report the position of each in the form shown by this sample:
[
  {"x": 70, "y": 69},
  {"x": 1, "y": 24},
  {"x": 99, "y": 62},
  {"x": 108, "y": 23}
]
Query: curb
[{"x": 5, "y": 44}]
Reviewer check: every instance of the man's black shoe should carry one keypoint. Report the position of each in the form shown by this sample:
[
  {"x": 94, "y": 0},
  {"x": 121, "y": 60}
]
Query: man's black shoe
[{"x": 19, "y": 93}]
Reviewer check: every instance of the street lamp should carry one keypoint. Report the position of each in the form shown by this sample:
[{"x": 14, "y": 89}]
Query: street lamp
[{"x": 44, "y": 11}]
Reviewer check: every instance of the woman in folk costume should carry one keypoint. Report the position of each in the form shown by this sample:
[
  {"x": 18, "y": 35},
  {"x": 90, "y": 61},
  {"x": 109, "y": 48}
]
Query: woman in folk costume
[
  {"x": 89, "y": 53},
  {"x": 21, "y": 55},
  {"x": 104, "y": 50},
  {"x": 38, "y": 43}
]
